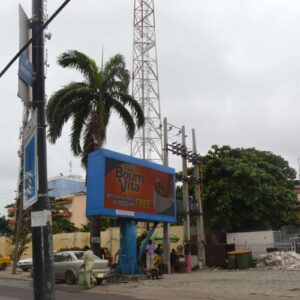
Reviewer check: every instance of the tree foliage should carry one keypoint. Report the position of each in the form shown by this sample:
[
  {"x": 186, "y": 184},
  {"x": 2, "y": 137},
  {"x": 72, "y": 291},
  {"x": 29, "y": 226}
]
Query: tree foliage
[
  {"x": 247, "y": 188},
  {"x": 89, "y": 105},
  {"x": 24, "y": 238},
  {"x": 60, "y": 223},
  {"x": 4, "y": 226},
  {"x": 25, "y": 229}
]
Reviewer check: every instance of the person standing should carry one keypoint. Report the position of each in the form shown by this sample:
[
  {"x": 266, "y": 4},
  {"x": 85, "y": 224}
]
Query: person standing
[
  {"x": 150, "y": 251},
  {"x": 174, "y": 261},
  {"x": 188, "y": 258},
  {"x": 159, "y": 250},
  {"x": 88, "y": 258},
  {"x": 158, "y": 259}
]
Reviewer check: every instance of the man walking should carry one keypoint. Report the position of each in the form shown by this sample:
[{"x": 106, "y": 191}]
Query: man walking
[{"x": 88, "y": 258}]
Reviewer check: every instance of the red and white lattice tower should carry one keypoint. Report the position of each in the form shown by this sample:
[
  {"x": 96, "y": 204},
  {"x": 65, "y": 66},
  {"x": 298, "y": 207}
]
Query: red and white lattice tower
[{"x": 147, "y": 143}]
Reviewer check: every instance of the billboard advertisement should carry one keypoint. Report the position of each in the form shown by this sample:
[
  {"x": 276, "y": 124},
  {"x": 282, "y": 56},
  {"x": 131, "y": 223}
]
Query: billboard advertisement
[{"x": 123, "y": 186}]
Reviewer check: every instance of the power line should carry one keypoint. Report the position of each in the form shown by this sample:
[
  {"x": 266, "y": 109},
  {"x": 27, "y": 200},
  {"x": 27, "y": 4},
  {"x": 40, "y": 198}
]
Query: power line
[{"x": 37, "y": 34}]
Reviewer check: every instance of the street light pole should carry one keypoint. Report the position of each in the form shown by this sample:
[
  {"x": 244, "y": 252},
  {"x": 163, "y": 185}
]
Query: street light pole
[{"x": 42, "y": 248}]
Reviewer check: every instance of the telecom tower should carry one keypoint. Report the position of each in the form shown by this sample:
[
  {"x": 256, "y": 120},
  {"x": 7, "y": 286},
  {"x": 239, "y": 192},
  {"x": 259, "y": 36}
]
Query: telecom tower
[{"x": 147, "y": 142}]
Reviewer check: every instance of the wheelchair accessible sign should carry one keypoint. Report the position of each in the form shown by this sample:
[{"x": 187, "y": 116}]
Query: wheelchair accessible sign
[{"x": 30, "y": 182}]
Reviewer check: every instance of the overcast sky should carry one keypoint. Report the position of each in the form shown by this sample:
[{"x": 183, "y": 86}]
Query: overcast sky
[{"x": 230, "y": 69}]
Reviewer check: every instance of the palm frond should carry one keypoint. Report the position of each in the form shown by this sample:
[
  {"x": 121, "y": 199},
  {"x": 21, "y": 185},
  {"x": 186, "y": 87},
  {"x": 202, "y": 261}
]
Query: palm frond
[
  {"x": 124, "y": 115},
  {"x": 80, "y": 61},
  {"x": 79, "y": 120},
  {"x": 135, "y": 107},
  {"x": 60, "y": 108},
  {"x": 90, "y": 103},
  {"x": 64, "y": 97},
  {"x": 115, "y": 74}
]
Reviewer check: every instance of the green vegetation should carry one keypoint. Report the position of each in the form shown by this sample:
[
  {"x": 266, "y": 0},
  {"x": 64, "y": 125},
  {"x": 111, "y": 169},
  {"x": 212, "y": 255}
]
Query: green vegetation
[
  {"x": 247, "y": 188},
  {"x": 89, "y": 104},
  {"x": 4, "y": 226}
]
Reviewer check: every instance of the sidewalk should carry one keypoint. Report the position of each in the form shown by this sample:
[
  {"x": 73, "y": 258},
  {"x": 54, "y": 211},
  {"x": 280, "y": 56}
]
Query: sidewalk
[
  {"x": 20, "y": 275},
  {"x": 212, "y": 284},
  {"x": 208, "y": 284}
]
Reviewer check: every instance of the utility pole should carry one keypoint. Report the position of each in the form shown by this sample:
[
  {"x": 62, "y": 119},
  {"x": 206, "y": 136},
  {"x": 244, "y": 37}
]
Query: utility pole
[
  {"x": 199, "y": 218},
  {"x": 185, "y": 190},
  {"x": 42, "y": 248},
  {"x": 166, "y": 228}
]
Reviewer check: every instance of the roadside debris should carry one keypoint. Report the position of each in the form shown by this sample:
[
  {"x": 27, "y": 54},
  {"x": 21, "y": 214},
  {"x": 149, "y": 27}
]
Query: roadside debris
[{"x": 279, "y": 261}]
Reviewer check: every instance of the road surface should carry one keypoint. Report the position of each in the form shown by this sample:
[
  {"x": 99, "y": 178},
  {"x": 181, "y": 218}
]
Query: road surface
[{"x": 22, "y": 290}]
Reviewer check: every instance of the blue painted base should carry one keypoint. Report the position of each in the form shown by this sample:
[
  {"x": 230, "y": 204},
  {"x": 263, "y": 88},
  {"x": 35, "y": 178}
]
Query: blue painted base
[{"x": 128, "y": 248}]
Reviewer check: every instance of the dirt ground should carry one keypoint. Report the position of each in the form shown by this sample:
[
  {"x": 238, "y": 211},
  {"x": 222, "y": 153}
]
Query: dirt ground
[
  {"x": 214, "y": 285},
  {"x": 209, "y": 284}
]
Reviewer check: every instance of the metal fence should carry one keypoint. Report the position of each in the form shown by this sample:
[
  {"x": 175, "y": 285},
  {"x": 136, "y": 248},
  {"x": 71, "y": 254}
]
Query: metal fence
[{"x": 259, "y": 249}]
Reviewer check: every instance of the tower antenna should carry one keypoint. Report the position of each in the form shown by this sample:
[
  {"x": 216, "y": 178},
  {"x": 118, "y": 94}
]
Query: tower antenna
[{"x": 147, "y": 142}]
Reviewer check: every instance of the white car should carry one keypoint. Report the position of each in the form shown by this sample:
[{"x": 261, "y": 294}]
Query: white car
[
  {"x": 25, "y": 264},
  {"x": 67, "y": 266}
]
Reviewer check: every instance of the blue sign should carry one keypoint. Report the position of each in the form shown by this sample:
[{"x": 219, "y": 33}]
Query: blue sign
[
  {"x": 25, "y": 69},
  {"x": 123, "y": 186},
  {"x": 30, "y": 164}
]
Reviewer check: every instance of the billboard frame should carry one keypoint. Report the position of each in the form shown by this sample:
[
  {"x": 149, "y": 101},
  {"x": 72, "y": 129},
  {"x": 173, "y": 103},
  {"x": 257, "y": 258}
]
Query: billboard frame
[{"x": 96, "y": 187}]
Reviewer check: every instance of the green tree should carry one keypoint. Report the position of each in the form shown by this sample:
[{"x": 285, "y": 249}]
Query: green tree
[
  {"x": 25, "y": 230},
  {"x": 247, "y": 188},
  {"x": 60, "y": 223},
  {"x": 24, "y": 239},
  {"x": 4, "y": 226},
  {"x": 89, "y": 104}
]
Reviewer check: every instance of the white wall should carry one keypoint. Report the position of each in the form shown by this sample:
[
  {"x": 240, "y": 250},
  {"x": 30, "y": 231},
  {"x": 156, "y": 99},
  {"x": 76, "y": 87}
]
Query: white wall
[{"x": 257, "y": 237}]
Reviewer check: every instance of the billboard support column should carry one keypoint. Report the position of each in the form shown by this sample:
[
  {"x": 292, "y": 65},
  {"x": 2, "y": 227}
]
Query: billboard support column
[
  {"x": 128, "y": 247},
  {"x": 166, "y": 226}
]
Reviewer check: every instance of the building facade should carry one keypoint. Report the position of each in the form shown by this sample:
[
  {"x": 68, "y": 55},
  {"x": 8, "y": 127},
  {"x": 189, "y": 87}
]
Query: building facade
[{"x": 61, "y": 186}]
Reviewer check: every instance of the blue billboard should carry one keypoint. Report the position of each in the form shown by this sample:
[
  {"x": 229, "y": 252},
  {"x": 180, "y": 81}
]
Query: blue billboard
[{"x": 119, "y": 185}]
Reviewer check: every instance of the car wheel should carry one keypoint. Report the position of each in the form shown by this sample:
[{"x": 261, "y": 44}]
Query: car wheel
[
  {"x": 3, "y": 267},
  {"x": 70, "y": 277},
  {"x": 25, "y": 269}
]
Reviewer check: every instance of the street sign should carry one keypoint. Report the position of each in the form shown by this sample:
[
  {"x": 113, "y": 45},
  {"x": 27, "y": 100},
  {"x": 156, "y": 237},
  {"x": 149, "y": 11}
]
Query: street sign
[
  {"x": 30, "y": 182},
  {"x": 25, "y": 69}
]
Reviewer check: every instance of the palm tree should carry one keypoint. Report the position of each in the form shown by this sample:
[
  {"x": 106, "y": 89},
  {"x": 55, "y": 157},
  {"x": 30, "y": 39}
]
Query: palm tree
[{"x": 89, "y": 104}]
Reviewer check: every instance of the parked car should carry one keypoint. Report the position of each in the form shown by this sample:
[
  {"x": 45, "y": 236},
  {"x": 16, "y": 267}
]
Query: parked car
[
  {"x": 5, "y": 261},
  {"x": 25, "y": 264},
  {"x": 67, "y": 265}
]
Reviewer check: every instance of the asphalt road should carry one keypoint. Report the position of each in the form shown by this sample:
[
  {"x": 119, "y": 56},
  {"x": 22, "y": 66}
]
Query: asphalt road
[{"x": 22, "y": 290}]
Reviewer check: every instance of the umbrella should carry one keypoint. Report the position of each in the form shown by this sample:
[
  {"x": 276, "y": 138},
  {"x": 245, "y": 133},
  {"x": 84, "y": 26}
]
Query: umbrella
[{"x": 158, "y": 239}]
